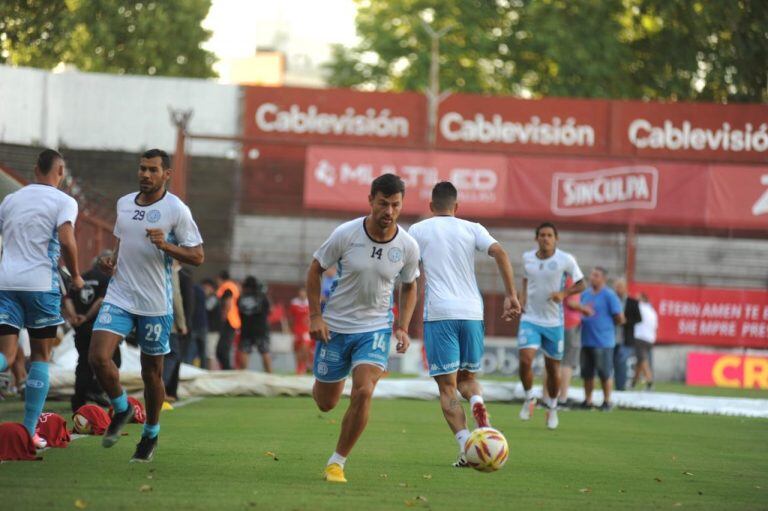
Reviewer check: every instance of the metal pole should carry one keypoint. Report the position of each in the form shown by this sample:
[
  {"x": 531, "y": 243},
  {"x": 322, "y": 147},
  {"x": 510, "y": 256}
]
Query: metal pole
[
  {"x": 180, "y": 118},
  {"x": 434, "y": 97},
  {"x": 631, "y": 249}
]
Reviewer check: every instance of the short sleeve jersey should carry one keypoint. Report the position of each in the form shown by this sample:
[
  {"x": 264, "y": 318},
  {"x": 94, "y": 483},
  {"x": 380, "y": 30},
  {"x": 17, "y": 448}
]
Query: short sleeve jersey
[
  {"x": 29, "y": 222},
  {"x": 544, "y": 277},
  {"x": 599, "y": 330},
  {"x": 448, "y": 246},
  {"x": 142, "y": 282},
  {"x": 362, "y": 296}
]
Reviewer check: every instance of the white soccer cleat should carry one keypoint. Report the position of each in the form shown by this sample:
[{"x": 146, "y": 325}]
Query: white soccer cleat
[
  {"x": 526, "y": 412},
  {"x": 39, "y": 442},
  {"x": 552, "y": 420}
]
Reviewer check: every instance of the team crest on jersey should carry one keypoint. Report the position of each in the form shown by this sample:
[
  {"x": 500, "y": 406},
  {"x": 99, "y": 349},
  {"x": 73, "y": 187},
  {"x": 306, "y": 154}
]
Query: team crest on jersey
[
  {"x": 394, "y": 255},
  {"x": 322, "y": 368},
  {"x": 552, "y": 265},
  {"x": 153, "y": 216},
  {"x": 105, "y": 318}
]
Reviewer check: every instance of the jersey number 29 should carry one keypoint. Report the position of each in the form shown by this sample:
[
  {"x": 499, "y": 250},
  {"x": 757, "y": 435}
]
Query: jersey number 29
[{"x": 153, "y": 332}]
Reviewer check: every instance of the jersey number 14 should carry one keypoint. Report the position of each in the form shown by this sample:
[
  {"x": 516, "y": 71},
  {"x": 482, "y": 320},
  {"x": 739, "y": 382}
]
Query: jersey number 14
[{"x": 376, "y": 253}]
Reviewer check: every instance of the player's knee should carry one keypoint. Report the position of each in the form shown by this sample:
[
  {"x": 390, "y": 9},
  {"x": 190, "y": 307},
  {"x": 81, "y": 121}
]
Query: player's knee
[
  {"x": 151, "y": 373},
  {"x": 325, "y": 405},
  {"x": 98, "y": 360},
  {"x": 448, "y": 389},
  {"x": 363, "y": 392}
]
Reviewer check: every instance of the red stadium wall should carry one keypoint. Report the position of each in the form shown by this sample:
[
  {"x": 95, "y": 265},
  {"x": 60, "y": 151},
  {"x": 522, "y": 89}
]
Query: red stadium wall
[{"x": 591, "y": 163}]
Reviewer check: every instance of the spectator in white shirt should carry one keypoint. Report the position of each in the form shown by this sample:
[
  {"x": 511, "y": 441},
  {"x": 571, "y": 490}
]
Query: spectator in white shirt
[{"x": 645, "y": 337}]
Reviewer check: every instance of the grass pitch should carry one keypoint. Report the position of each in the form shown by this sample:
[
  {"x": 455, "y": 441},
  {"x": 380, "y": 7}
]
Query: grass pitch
[{"x": 261, "y": 453}]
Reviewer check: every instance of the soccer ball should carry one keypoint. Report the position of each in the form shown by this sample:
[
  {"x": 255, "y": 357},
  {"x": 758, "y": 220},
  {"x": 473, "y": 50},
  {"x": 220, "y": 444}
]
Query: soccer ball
[
  {"x": 81, "y": 425},
  {"x": 486, "y": 450}
]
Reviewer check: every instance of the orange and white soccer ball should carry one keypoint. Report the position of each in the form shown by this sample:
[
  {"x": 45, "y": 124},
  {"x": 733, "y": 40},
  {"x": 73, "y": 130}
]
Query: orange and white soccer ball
[
  {"x": 486, "y": 450},
  {"x": 81, "y": 425}
]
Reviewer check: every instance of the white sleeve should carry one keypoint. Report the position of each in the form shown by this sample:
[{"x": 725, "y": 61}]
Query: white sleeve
[
  {"x": 67, "y": 213},
  {"x": 483, "y": 239},
  {"x": 410, "y": 271},
  {"x": 331, "y": 250},
  {"x": 2, "y": 214},
  {"x": 414, "y": 232},
  {"x": 186, "y": 231},
  {"x": 573, "y": 269}
]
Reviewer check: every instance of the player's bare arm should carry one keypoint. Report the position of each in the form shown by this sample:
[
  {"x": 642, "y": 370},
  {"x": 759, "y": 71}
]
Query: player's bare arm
[
  {"x": 512, "y": 307},
  {"x": 317, "y": 327},
  {"x": 187, "y": 255},
  {"x": 524, "y": 294},
  {"x": 576, "y": 288},
  {"x": 408, "y": 296},
  {"x": 69, "y": 252},
  {"x": 619, "y": 319}
]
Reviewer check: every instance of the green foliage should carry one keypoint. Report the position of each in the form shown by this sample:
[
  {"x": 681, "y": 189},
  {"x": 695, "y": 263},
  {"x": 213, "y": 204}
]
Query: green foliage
[
  {"x": 112, "y": 36},
  {"x": 216, "y": 454},
  {"x": 650, "y": 49}
]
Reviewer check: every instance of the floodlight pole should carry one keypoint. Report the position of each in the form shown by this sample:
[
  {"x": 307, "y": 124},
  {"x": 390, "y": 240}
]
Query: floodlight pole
[
  {"x": 180, "y": 119},
  {"x": 434, "y": 97}
]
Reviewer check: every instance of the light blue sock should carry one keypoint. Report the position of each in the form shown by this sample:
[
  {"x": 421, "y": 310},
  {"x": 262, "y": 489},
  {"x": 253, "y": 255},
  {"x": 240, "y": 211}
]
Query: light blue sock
[
  {"x": 3, "y": 363},
  {"x": 120, "y": 403},
  {"x": 151, "y": 430},
  {"x": 37, "y": 391}
]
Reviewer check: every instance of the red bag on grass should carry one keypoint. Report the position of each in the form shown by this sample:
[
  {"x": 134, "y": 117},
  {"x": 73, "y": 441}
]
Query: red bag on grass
[
  {"x": 52, "y": 428},
  {"x": 15, "y": 443},
  {"x": 90, "y": 420}
]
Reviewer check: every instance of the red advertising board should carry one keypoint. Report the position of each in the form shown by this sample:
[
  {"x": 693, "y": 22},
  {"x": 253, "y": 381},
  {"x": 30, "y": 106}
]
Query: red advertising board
[
  {"x": 335, "y": 115},
  {"x": 505, "y": 124},
  {"x": 700, "y": 131},
  {"x": 710, "y": 316},
  {"x": 738, "y": 197},
  {"x": 645, "y": 193},
  {"x": 727, "y": 370},
  {"x": 340, "y": 178}
]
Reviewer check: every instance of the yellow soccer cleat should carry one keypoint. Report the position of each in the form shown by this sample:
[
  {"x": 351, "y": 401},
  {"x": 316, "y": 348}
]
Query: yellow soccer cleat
[
  {"x": 167, "y": 406},
  {"x": 334, "y": 473}
]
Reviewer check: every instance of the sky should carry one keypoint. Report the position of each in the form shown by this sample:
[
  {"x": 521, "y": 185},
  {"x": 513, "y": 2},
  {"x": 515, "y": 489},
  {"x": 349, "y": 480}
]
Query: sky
[{"x": 302, "y": 29}]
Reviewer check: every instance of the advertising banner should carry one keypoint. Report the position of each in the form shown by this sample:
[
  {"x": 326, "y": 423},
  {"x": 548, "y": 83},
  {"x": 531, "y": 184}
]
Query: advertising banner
[
  {"x": 339, "y": 178},
  {"x": 506, "y": 124},
  {"x": 335, "y": 115},
  {"x": 700, "y": 131},
  {"x": 711, "y": 316},
  {"x": 727, "y": 370}
]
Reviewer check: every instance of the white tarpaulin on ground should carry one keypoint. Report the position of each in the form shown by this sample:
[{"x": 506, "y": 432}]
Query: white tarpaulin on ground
[{"x": 198, "y": 382}]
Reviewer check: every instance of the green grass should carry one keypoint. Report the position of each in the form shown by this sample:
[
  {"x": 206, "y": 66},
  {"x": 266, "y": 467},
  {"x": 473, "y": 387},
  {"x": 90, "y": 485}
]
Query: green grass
[{"x": 212, "y": 456}]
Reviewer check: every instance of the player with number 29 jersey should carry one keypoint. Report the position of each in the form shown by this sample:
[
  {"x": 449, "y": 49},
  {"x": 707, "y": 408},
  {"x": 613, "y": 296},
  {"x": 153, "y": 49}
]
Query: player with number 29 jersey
[{"x": 140, "y": 293}]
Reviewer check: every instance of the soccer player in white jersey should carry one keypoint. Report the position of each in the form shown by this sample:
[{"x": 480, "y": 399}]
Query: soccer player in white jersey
[
  {"x": 453, "y": 306},
  {"x": 153, "y": 227},
  {"x": 543, "y": 323},
  {"x": 355, "y": 326},
  {"x": 37, "y": 224}
]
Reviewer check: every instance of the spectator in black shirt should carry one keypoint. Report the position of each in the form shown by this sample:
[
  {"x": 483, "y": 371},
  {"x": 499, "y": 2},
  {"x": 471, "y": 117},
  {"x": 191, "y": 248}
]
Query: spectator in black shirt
[
  {"x": 625, "y": 335},
  {"x": 81, "y": 308},
  {"x": 198, "y": 329},
  {"x": 254, "y": 312}
]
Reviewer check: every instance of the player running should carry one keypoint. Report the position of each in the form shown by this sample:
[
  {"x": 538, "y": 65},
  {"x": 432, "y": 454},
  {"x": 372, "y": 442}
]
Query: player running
[
  {"x": 453, "y": 306},
  {"x": 153, "y": 227},
  {"x": 37, "y": 224},
  {"x": 543, "y": 323},
  {"x": 355, "y": 327}
]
